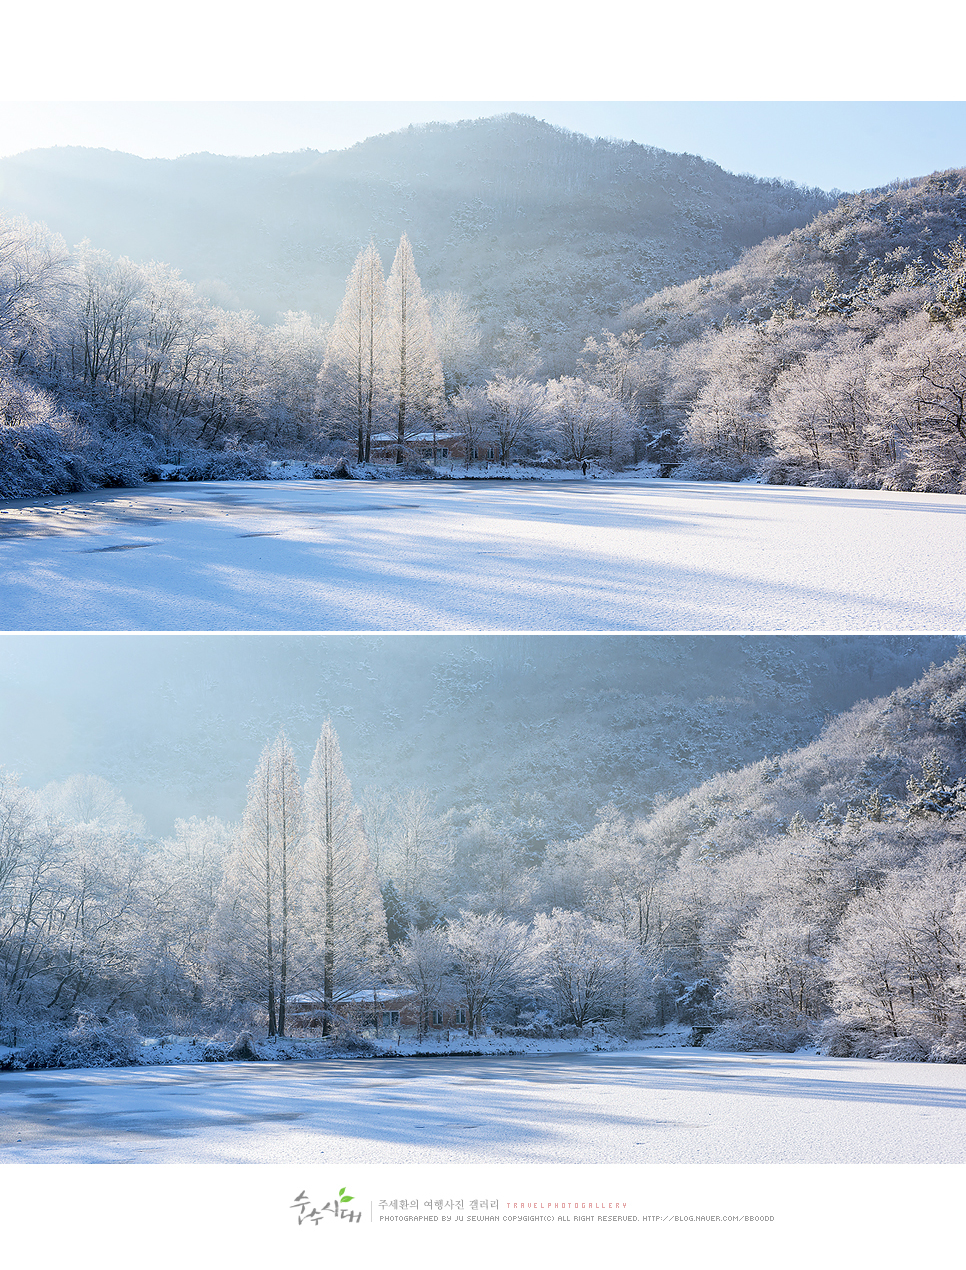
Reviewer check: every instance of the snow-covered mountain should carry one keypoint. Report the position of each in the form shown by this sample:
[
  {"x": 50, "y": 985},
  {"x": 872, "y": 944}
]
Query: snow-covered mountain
[{"x": 527, "y": 219}]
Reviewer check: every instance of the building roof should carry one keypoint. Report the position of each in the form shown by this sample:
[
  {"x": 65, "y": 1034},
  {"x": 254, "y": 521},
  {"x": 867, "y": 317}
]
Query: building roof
[
  {"x": 382, "y": 992},
  {"x": 416, "y": 436}
]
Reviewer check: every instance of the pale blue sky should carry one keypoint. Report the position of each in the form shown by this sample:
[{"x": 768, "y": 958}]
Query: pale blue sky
[{"x": 842, "y": 145}]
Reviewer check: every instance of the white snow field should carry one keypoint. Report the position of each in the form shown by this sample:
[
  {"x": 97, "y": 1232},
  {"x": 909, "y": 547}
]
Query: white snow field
[
  {"x": 435, "y": 555},
  {"x": 651, "y": 1107}
]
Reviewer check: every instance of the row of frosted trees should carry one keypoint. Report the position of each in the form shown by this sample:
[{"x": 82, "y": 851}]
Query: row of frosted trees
[
  {"x": 396, "y": 361},
  {"x": 109, "y": 368},
  {"x": 833, "y": 356},
  {"x": 822, "y": 888},
  {"x": 227, "y": 924},
  {"x": 94, "y": 917},
  {"x": 872, "y": 394},
  {"x": 301, "y": 903},
  {"x": 301, "y": 911},
  {"x": 142, "y": 344},
  {"x": 381, "y": 358},
  {"x": 828, "y": 404},
  {"x": 137, "y": 354}
]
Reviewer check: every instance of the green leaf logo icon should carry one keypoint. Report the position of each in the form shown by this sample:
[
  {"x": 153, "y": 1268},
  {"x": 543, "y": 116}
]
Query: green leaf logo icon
[{"x": 343, "y": 1197}]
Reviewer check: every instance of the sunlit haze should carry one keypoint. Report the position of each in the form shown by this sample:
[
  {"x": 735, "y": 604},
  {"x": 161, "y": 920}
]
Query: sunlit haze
[
  {"x": 176, "y": 722},
  {"x": 834, "y": 145}
]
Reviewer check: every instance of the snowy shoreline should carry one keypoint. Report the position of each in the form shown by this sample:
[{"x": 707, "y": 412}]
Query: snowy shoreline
[
  {"x": 182, "y": 1051},
  {"x": 176, "y": 1051}
]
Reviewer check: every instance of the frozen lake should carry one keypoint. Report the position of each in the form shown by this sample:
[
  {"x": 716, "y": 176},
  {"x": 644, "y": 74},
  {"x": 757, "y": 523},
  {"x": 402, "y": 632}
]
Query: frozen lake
[
  {"x": 649, "y": 1107},
  {"x": 450, "y": 556}
]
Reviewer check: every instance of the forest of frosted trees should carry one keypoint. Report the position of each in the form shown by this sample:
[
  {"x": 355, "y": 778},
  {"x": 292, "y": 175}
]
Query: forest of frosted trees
[
  {"x": 817, "y": 894},
  {"x": 830, "y": 355},
  {"x": 110, "y": 370}
]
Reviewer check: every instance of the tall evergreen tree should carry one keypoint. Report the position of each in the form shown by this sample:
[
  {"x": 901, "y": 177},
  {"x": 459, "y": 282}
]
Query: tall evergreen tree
[
  {"x": 350, "y": 372},
  {"x": 396, "y": 916},
  {"x": 345, "y": 895},
  {"x": 412, "y": 371},
  {"x": 258, "y": 907}
]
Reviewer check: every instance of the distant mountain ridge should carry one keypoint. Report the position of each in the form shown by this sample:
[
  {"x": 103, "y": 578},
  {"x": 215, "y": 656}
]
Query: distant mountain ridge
[{"x": 527, "y": 219}]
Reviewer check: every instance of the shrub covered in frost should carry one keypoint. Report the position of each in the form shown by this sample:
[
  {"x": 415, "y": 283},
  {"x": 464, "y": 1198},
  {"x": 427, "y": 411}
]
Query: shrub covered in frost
[
  {"x": 711, "y": 467},
  {"x": 213, "y": 1053},
  {"x": 417, "y": 469},
  {"x": 840, "y": 1038},
  {"x": 843, "y": 1038},
  {"x": 35, "y": 454},
  {"x": 532, "y": 1031},
  {"x": 46, "y": 450},
  {"x": 906, "y": 1049},
  {"x": 754, "y": 1034},
  {"x": 948, "y": 1050},
  {"x": 234, "y": 463},
  {"x": 351, "y": 1042},
  {"x": 775, "y": 470},
  {"x": 92, "y": 1042},
  {"x": 831, "y": 478}
]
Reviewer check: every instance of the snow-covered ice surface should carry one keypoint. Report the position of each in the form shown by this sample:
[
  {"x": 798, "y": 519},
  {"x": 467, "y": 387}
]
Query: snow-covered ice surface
[
  {"x": 634, "y": 1107},
  {"x": 610, "y": 555}
]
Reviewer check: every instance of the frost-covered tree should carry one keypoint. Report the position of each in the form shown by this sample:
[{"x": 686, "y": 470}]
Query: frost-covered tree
[
  {"x": 111, "y": 314},
  {"x": 494, "y": 870},
  {"x": 35, "y": 288},
  {"x": 167, "y": 345},
  {"x": 418, "y": 856},
  {"x": 615, "y": 873},
  {"x": 899, "y": 964},
  {"x": 424, "y": 961},
  {"x": 517, "y": 351},
  {"x": 187, "y": 872},
  {"x": 471, "y": 418},
  {"x": 376, "y": 809},
  {"x": 777, "y": 966},
  {"x": 28, "y": 882},
  {"x": 729, "y": 417},
  {"x": 343, "y": 910},
  {"x": 294, "y": 356},
  {"x": 517, "y": 414},
  {"x": 458, "y": 335},
  {"x": 230, "y": 388},
  {"x": 585, "y": 421},
  {"x": 589, "y": 967},
  {"x": 259, "y": 900},
  {"x": 411, "y": 371},
  {"x": 492, "y": 961},
  {"x": 78, "y": 909},
  {"x": 610, "y": 364},
  {"x": 933, "y": 370},
  {"x": 349, "y": 381},
  {"x": 90, "y": 800}
]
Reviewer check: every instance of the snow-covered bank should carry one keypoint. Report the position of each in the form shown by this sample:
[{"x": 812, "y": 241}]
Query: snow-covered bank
[
  {"x": 453, "y": 470},
  {"x": 176, "y": 1050}
]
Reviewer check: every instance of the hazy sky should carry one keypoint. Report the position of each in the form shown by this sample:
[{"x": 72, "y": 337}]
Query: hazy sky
[
  {"x": 835, "y": 145},
  {"x": 177, "y": 721}
]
